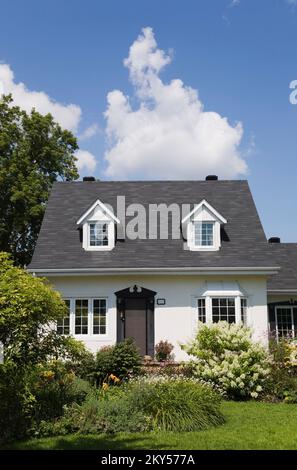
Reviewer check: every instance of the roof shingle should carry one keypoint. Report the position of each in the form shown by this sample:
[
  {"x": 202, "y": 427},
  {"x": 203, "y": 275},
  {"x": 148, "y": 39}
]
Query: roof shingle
[{"x": 59, "y": 247}]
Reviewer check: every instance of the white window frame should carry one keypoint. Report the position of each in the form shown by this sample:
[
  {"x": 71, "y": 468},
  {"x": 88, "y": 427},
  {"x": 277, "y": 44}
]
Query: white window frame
[
  {"x": 92, "y": 316},
  {"x": 98, "y": 212},
  {"x": 219, "y": 297},
  {"x": 204, "y": 212},
  {"x": 201, "y": 222},
  {"x": 289, "y": 307},
  {"x": 208, "y": 307},
  {"x": 204, "y": 307},
  {"x": 63, "y": 326},
  {"x": 110, "y": 235},
  {"x": 244, "y": 316},
  {"x": 81, "y": 335},
  {"x": 90, "y": 334}
]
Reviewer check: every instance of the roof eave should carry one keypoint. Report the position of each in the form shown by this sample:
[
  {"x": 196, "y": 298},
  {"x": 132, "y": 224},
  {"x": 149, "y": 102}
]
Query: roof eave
[{"x": 263, "y": 271}]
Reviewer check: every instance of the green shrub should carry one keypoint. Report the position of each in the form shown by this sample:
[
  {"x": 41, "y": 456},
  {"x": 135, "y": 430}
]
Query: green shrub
[
  {"x": 16, "y": 402},
  {"x": 31, "y": 395},
  {"x": 282, "y": 383},
  {"x": 79, "y": 359},
  {"x": 226, "y": 356},
  {"x": 176, "y": 404},
  {"x": 98, "y": 414},
  {"x": 53, "y": 387},
  {"x": 122, "y": 360}
]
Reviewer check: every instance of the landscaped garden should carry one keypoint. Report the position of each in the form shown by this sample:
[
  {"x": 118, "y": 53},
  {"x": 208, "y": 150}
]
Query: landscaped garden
[
  {"x": 249, "y": 425},
  {"x": 54, "y": 394}
]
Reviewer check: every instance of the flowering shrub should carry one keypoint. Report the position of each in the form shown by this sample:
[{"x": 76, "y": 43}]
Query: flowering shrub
[
  {"x": 163, "y": 350},
  {"x": 226, "y": 356}
]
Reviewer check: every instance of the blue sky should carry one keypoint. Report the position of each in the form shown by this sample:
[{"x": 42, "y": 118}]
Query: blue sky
[{"x": 240, "y": 56}]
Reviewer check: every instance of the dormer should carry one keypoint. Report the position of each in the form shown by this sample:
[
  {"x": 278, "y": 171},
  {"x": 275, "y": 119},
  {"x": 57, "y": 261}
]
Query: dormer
[
  {"x": 203, "y": 228},
  {"x": 98, "y": 227}
]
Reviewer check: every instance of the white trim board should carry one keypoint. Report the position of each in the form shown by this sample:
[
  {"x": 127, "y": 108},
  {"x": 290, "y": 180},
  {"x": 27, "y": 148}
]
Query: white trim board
[{"x": 149, "y": 271}]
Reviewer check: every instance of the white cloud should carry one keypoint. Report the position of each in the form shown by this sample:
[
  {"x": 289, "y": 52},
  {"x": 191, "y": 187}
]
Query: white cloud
[
  {"x": 85, "y": 160},
  {"x": 234, "y": 3},
  {"x": 169, "y": 135},
  {"x": 89, "y": 132},
  {"x": 68, "y": 116}
]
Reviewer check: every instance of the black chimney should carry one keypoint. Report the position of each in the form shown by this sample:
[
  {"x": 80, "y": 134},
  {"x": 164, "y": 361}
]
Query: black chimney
[
  {"x": 211, "y": 178},
  {"x": 274, "y": 240},
  {"x": 89, "y": 178}
]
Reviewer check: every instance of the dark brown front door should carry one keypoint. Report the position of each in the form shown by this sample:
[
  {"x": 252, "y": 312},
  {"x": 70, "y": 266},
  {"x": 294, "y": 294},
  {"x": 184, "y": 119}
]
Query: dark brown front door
[{"x": 136, "y": 323}]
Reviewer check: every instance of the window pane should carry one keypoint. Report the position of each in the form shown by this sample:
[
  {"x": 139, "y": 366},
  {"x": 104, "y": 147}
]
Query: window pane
[
  {"x": 223, "y": 309},
  {"x": 99, "y": 234},
  {"x": 203, "y": 233},
  {"x": 63, "y": 324},
  {"x": 284, "y": 322},
  {"x": 99, "y": 316},
  {"x": 81, "y": 316},
  {"x": 201, "y": 310},
  {"x": 243, "y": 305}
]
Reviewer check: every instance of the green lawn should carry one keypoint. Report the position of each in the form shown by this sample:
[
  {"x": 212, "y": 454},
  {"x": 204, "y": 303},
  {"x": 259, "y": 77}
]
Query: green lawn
[{"x": 248, "y": 425}]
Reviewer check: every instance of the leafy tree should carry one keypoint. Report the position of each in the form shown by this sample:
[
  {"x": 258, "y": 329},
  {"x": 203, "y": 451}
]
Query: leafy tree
[
  {"x": 28, "y": 308},
  {"x": 34, "y": 152}
]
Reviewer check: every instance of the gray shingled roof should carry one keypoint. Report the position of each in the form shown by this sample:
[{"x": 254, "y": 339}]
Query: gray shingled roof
[
  {"x": 59, "y": 247},
  {"x": 285, "y": 256}
]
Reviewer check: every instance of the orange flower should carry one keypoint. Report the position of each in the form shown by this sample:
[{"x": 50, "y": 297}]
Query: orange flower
[
  {"x": 105, "y": 386},
  {"x": 114, "y": 378}
]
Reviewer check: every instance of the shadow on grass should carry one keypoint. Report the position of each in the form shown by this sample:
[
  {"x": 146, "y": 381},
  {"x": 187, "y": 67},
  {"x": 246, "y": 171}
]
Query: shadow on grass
[{"x": 93, "y": 442}]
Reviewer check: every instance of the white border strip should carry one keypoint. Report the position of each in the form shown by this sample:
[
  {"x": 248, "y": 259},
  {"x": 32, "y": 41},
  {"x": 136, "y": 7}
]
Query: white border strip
[{"x": 173, "y": 271}]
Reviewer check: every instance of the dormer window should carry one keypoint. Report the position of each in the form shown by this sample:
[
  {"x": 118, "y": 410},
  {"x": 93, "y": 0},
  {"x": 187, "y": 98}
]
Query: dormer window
[
  {"x": 203, "y": 228},
  {"x": 98, "y": 227},
  {"x": 203, "y": 233},
  {"x": 98, "y": 234}
]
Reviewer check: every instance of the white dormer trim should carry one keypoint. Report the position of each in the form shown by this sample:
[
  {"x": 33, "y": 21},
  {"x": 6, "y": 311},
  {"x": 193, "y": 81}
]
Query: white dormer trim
[
  {"x": 104, "y": 209},
  {"x": 204, "y": 213},
  {"x": 211, "y": 209},
  {"x": 98, "y": 213}
]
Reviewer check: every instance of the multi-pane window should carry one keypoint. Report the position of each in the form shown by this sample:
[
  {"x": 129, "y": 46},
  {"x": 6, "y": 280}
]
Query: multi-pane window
[
  {"x": 203, "y": 233},
  {"x": 63, "y": 324},
  {"x": 81, "y": 316},
  {"x": 201, "y": 310},
  {"x": 99, "y": 316},
  {"x": 99, "y": 234},
  {"x": 284, "y": 322},
  {"x": 243, "y": 310},
  {"x": 223, "y": 309}
]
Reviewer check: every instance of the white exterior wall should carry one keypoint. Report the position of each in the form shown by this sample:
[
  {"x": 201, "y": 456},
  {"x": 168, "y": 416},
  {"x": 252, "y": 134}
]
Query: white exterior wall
[{"x": 177, "y": 320}]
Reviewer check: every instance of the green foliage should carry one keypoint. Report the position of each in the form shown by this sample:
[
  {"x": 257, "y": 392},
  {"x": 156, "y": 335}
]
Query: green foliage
[
  {"x": 227, "y": 357},
  {"x": 77, "y": 357},
  {"x": 141, "y": 405},
  {"x": 34, "y": 152},
  {"x": 282, "y": 383},
  {"x": 100, "y": 413},
  {"x": 54, "y": 387},
  {"x": 16, "y": 402},
  {"x": 31, "y": 394},
  {"x": 28, "y": 306},
  {"x": 177, "y": 404},
  {"x": 163, "y": 350},
  {"x": 250, "y": 425},
  {"x": 122, "y": 360}
]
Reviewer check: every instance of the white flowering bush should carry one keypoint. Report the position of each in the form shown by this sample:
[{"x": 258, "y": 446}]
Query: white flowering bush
[{"x": 227, "y": 357}]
